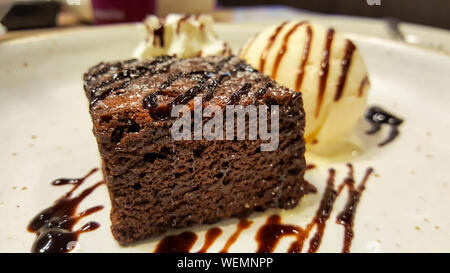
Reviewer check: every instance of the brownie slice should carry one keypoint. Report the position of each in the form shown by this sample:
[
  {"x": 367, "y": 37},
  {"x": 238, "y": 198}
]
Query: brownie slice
[{"x": 155, "y": 182}]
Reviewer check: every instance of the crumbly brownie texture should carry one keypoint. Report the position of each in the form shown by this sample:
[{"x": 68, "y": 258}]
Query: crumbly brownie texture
[{"x": 156, "y": 183}]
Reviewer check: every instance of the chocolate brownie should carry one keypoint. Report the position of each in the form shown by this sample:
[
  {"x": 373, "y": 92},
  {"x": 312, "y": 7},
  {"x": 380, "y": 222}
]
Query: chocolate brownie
[{"x": 157, "y": 183}]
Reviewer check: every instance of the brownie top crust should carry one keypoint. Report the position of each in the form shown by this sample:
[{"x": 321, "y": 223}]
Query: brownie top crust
[
  {"x": 157, "y": 182},
  {"x": 150, "y": 88}
]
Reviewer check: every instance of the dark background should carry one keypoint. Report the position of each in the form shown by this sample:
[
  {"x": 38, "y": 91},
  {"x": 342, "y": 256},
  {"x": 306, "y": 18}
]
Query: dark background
[{"x": 428, "y": 12}]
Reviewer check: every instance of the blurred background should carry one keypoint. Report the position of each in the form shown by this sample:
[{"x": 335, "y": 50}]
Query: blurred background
[{"x": 394, "y": 17}]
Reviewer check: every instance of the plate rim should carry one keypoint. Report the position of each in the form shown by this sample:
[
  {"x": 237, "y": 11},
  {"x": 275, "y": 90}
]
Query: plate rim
[{"x": 38, "y": 37}]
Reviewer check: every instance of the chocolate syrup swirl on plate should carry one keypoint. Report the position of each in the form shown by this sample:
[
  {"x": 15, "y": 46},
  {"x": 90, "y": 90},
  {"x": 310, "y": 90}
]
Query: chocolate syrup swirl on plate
[
  {"x": 241, "y": 226},
  {"x": 181, "y": 243},
  {"x": 322, "y": 214},
  {"x": 377, "y": 117},
  {"x": 210, "y": 237},
  {"x": 53, "y": 226},
  {"x": 347, "y": 215},
  {"x": 273, "y": 231}
]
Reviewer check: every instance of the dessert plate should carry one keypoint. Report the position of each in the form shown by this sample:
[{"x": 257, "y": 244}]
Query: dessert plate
[{"x": 46, "y": 134}]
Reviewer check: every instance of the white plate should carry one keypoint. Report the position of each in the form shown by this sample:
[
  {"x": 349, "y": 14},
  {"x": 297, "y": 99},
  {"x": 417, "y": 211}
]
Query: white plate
[{"x": 46, "y": 134}]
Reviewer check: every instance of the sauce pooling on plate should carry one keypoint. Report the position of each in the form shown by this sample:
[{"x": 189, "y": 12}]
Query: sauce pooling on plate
[
  {"x": 377, "y": 117},
  {"x": 181, "y": 243},
  {"x": 54, "y": 225},
  {"x": 271, "y": 233}
]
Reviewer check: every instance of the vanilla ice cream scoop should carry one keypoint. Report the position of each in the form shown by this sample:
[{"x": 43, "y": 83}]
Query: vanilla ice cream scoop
[
  {"x": 183, "y": 36},
  {"x": 318, "y": 61}
]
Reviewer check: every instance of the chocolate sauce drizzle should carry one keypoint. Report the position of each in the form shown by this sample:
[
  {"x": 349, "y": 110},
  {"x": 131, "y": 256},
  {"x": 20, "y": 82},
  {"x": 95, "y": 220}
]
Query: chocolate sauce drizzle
[
  {"x": 103, "y": 90},
  {"x": 181, "y": 243},
  {"x": 182, "y": 19},
  {"x": 363, "y": 83},
  {"x": 377, "y": 117},
  {"x": 207, "y": 81},
  {"x": 158, "y": 34},
  {"x": 273, "y": 230},
  {"x": 262, "y": 60},
  {"x": 323, "y": 75},
  {"x": 157, "y": 111},
  {"x": 210, "y": 237},
  {"x": 271, "y": 233},
  {"x": 242, "y": 225},
  {"x": 54, "y": 225},
  {"x": 213, "y": 85},
  {"x": 324, "y": 67},
  {"x": 236, "y": 96},
  {"x": 305, "y": 57},
  {"x": 263, "y": 90},
  {"x": 323, "y": 213},
  {"x": 345, "y": 64},
  {"x": 283, "y": 49},
  {"x": 347, "y": 215}
]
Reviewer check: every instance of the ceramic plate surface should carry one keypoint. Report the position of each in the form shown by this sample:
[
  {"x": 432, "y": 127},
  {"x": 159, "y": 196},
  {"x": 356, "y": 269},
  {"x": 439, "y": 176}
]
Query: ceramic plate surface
[{"x": 46, "y": 133}]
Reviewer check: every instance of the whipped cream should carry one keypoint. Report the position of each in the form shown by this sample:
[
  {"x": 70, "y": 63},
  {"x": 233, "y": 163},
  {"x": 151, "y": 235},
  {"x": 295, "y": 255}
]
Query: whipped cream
[
  {"x": 183, "y": 36},
  {"x": 325, "y": 66}
]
